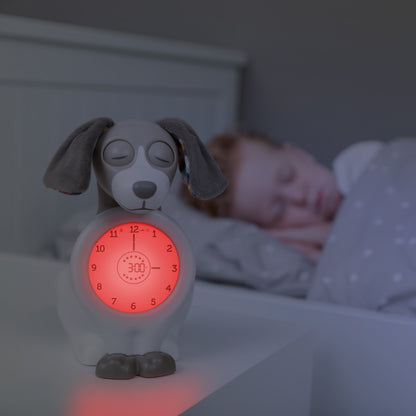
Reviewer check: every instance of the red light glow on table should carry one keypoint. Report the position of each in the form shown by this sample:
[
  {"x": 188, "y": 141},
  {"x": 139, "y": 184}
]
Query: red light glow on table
[
  {"x": 164, "y": 396},
  {"x": 133, "y": 267}
]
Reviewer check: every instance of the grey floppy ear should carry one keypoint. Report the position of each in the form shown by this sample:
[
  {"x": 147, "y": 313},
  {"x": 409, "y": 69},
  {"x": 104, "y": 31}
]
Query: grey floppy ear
[
  {"x": 199, "y": 170},
  {"x": 69, "y": 171}
]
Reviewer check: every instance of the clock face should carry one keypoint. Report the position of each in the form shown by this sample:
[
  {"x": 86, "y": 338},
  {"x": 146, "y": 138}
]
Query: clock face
[{"x": 133, "y": 267}]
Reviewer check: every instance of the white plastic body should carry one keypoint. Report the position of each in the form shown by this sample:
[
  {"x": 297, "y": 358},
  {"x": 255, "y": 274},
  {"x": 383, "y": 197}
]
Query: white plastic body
[{"x": 95, "y": 328}]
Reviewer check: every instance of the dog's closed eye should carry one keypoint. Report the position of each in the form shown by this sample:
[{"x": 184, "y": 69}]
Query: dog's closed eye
[
  {"x": 118, "y": 153},
  {"x": 160, "y": 154}
]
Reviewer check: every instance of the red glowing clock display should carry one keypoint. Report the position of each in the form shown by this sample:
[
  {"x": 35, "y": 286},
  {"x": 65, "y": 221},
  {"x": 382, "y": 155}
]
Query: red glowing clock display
[{"x": 133, "y": 267}]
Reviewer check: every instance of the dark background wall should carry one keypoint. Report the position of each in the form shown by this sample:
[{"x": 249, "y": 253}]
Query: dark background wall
[{"x": 322, "y": 74}]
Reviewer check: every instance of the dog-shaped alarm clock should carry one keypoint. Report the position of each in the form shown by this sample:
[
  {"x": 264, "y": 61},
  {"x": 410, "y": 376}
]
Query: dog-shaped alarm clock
[{"x": 129, "y": 283}]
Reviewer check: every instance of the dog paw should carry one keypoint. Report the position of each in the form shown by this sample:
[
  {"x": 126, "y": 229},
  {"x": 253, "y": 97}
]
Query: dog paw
[
  {"x": 154, "y": 364},
  {"x": 116, "y": 366}
]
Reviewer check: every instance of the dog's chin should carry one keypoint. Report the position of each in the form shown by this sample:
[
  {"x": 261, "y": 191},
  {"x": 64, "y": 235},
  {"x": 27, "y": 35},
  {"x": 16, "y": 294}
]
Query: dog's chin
[{"x": 140, "y": 206}]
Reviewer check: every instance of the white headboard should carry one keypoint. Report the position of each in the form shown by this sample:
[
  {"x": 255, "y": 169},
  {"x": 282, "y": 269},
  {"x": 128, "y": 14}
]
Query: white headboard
[{"x": 54, "y": 77}]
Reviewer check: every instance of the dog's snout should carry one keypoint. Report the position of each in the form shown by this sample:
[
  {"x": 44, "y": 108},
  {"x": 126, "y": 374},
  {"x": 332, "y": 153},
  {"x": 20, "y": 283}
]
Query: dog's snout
[{"x": 144, "y": 189}]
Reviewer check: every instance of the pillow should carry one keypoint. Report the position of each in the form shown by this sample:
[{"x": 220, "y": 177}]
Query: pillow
[{"x": 232, "y": 251}]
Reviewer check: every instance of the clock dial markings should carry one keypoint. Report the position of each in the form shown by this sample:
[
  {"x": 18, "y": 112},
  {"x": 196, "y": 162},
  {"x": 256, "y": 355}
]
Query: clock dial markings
[{"x": 136, "y": 274}]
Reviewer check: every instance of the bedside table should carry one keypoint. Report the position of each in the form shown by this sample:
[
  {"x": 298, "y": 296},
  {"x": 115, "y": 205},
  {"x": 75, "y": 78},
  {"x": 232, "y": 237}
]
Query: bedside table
[{"x": 233, "y": 361}]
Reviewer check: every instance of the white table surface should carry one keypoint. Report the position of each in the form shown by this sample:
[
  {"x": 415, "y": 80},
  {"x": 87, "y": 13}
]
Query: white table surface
[{"x": 226, "y": 352}]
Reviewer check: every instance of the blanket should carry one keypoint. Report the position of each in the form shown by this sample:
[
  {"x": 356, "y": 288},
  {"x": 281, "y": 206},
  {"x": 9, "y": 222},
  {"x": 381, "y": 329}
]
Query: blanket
[{"x": 369, "y": 260}]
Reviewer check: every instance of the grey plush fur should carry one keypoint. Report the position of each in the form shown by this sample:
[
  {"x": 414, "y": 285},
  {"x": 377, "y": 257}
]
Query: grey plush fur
[
  {"x": 70, "y": 169},
  {"x": 205, "y": 179}
]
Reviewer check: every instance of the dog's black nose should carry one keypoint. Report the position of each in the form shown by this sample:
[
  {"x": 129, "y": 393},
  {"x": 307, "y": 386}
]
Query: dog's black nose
[{"x": 144, "y": 189}]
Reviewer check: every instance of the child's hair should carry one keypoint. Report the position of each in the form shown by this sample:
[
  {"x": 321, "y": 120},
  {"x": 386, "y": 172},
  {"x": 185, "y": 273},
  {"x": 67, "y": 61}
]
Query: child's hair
[{"x": 225, "y": 149}]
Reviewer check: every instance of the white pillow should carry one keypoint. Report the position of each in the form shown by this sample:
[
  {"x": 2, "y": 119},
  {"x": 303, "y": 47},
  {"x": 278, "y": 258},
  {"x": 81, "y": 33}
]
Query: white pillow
[{"x": 237, "y": 252}]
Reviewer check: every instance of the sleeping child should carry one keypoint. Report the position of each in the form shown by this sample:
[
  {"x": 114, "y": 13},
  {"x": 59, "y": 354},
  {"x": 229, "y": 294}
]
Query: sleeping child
[{"x": 282, "y": 188}]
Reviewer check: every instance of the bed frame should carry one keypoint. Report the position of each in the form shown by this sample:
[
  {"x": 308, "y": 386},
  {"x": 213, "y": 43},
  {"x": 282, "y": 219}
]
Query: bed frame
[{"x": 55, "y": 76}]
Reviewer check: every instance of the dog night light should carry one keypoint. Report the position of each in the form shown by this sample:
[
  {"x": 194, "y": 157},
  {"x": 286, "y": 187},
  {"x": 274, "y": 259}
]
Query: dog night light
[{"x": 129, "y": 283}]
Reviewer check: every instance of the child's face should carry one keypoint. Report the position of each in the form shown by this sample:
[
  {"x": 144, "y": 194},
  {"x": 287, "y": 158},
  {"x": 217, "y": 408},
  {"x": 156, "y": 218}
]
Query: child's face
[{"x": 282, "y": 188}]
